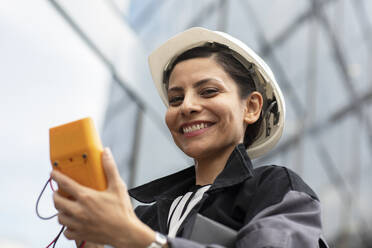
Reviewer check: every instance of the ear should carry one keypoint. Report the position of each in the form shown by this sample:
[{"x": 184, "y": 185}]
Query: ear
[{"x": 253, "y": 107}]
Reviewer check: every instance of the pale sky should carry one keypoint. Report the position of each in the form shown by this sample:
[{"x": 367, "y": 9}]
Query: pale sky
[{"x": 47, "y": 77}]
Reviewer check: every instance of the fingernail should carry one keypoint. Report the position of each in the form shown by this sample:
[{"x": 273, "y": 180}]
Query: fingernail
[{"x": 107, "y": 152}]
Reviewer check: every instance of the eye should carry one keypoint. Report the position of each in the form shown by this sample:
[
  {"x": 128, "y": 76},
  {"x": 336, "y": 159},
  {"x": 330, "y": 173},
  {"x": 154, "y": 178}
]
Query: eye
[
  {"x": 209, "y": 92},
  {"x": 175, "y": 100}
]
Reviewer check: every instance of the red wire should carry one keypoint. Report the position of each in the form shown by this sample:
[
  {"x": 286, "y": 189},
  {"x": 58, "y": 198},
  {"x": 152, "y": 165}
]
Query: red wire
[
  {"x": 51, "y": 185},
  {"x": 54, "y": 240}
]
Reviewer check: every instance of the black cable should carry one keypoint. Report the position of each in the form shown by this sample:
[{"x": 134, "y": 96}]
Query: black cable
[
  {"x": 82, "y": 244},
  {"x": 37, "y": 203},
  {"x": 57, "y": 237}
]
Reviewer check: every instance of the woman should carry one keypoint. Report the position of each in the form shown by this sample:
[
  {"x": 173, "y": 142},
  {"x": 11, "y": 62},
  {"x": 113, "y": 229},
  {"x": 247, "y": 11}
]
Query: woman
[{"x": 223, "y": 105}]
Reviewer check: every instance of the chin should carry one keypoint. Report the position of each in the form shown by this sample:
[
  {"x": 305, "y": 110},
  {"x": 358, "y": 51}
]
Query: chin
[
  {"x": 198, "y": 150},
  {"x": 193, "y": 153}
]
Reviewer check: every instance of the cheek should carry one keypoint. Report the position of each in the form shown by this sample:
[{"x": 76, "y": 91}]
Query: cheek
[
  {"x": 170, "y": 119},
  {"x": 228, "y": 114},
  {"x": 232, "y": 118}
]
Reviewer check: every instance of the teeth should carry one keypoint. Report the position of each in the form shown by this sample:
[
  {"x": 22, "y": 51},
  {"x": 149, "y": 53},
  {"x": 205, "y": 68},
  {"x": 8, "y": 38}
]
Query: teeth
[{"x": 195, "y": 127}]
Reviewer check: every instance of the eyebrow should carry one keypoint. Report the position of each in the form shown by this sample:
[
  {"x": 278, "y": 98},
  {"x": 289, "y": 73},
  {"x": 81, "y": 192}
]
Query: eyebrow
[{"x": 195, "y": 85}]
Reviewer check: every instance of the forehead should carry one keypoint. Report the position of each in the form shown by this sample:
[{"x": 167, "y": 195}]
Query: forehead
[{"x": 196, "y": 69}]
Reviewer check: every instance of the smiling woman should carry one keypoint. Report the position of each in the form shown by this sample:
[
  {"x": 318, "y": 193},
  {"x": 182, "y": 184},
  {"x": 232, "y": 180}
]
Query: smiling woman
[
  {"x": 223, "y": 58},
  {"x": 200, "y": 91},
  {"x": 224, "y": 108}
]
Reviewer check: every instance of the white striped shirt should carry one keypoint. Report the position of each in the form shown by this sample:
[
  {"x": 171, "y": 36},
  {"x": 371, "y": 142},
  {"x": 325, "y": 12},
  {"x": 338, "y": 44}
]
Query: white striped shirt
[{"x": 182, "y": 206}]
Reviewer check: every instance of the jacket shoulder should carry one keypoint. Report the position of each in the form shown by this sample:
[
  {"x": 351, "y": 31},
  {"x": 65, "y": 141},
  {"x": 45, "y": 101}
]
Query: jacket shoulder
[
  {"x": 281, "y": 179},
  {"x": 268, "y": 186}
]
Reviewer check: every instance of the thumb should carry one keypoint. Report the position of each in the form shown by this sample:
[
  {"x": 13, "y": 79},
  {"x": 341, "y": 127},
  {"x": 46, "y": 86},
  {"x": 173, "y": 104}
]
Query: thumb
[{"x": 110, "y": 168}]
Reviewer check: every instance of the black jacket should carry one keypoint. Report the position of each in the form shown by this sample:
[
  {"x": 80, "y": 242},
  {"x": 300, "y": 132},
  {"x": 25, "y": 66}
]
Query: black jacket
[{"x": 269, "y": 206}]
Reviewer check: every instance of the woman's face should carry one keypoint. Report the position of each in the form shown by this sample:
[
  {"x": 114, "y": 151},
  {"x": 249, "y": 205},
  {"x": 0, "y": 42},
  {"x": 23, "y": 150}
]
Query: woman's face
[{"x": 206, "y": 114}]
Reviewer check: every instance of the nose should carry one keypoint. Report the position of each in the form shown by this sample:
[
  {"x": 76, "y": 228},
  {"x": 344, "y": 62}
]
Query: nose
[{"x": 189, "y": 105}]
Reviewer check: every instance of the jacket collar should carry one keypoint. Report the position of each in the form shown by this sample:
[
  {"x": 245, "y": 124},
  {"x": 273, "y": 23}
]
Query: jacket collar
[{"x": 238, "y": 168}]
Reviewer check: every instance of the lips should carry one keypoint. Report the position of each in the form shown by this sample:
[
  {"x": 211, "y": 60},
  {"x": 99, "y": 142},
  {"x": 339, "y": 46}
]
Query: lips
[{"x": 194, "y": 126}]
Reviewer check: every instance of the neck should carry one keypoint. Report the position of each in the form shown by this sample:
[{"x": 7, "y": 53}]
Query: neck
[{"x": 208, "y": 168}]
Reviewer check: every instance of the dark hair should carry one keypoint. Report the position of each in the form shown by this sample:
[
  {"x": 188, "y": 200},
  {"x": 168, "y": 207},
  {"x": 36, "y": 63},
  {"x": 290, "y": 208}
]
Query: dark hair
[{"x": 242, "y": 77}]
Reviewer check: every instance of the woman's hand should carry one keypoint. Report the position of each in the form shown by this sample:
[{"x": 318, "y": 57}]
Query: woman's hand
[
  {"x": 88, "y": 245},
  {"x": 102, "y": 217}
]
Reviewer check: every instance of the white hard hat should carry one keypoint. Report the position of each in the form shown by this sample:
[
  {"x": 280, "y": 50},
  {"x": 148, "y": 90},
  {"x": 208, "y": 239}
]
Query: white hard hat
[{"x": 274, "y": 114}]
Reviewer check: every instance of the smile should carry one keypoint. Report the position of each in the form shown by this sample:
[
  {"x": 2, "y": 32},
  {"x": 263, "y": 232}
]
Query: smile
[{"x": 195, "y": 128}]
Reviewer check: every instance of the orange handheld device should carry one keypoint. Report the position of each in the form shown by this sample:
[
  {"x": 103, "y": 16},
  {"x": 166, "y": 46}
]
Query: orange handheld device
[{"x": 75, "y": 150}]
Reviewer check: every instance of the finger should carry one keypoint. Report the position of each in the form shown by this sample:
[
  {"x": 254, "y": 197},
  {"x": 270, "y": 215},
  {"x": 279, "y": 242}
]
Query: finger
[
  {"x": 62, "y": 204},
  {"x": 67, "y": 184},
  {"x": 68, "y": 221},
  {"x": 110, "y": 168},
  {"x": 71, "y": 234}
]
